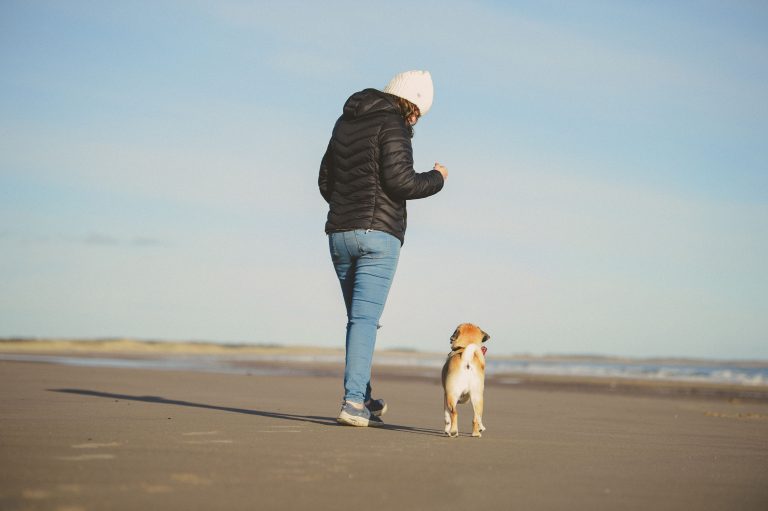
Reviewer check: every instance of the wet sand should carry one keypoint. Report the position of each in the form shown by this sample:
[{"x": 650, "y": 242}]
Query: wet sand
[{"x": 90, "y": 438}]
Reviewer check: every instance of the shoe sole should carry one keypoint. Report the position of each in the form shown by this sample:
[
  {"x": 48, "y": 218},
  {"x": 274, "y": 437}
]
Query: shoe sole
[{"x": 360, "y": 422}]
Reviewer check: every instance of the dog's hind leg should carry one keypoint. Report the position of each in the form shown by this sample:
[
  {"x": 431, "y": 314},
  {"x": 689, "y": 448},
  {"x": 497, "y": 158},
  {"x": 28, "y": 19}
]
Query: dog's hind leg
[
  {"x": 477, "y": 406},
  {"x": 447, "y": 417},
  {"x": 451, "y": 416}
]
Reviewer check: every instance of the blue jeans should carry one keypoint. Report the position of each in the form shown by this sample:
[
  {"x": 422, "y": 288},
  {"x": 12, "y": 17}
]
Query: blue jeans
[{"x": 365, "y": 262}]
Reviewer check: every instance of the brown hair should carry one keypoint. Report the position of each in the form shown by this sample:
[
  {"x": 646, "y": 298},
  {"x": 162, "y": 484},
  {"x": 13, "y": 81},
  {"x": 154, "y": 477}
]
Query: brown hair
[{"x": 407, "y": 109}]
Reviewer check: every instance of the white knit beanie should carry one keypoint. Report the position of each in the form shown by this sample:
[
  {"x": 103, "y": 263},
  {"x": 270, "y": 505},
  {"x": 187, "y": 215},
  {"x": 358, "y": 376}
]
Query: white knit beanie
[{"x": 415, "y": 86}]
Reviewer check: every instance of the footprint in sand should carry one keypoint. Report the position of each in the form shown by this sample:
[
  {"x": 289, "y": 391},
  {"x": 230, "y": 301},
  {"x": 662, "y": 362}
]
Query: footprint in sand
[
  {"x": 156, "y": 488},
  {"x": 35, "y": 494},
  {"x": 87, "y": 457},
  {"x": 214, "y": 441},
  {"x": 95, "y": 445},
  {"x": 69, "y": 488},
  {"x": 188, "y": 478},
  {"x": 739, "y": 416},
  {"x": 205, "y": 441},
  {"x": 280, "y": 429}
]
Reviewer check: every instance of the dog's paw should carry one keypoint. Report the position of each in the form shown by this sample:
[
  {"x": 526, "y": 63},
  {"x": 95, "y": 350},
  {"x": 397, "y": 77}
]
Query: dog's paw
[
  {"x": 476, "y": 434},
  {"x": 452, "y": 434}
]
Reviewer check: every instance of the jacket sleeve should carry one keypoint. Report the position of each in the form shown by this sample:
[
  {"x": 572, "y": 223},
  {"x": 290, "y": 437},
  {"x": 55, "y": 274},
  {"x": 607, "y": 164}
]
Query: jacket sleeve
[
  {"x": 325, "y": 180},
  {"x": 398, "y": 178}
]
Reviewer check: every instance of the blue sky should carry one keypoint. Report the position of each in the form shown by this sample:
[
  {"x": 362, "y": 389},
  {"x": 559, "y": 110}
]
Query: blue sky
[{"x": 608, "y": 188}]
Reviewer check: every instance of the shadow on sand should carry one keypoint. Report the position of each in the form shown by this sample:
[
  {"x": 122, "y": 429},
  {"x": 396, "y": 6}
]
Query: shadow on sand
[{"x": 323, "y": 421}]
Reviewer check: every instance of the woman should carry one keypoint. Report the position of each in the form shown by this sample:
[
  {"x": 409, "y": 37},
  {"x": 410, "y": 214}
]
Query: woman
[{"x": 366, "y": 176}]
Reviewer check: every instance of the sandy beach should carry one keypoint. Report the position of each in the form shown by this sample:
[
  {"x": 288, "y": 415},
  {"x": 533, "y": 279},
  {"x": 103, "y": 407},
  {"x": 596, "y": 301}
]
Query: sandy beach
[{"x": 95, "y": 438}]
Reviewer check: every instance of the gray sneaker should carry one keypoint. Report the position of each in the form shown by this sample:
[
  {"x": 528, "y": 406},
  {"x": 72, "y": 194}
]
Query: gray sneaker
[
  {"x": 351, "y": 416},
  {"x": 377, "y": 407}
]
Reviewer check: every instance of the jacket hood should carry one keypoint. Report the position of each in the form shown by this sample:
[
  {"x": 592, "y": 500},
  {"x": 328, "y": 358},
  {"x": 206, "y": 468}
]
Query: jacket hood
[{"x": 367, "y": 102}]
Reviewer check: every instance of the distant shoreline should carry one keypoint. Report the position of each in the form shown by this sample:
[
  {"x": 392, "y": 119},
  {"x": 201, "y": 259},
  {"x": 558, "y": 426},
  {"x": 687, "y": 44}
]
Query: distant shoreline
[{"x": 131, "y": 345}]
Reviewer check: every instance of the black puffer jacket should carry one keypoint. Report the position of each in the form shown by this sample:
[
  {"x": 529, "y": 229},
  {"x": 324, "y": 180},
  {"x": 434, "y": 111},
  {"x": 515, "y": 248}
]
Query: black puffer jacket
[{"x": 367, "y": 172}]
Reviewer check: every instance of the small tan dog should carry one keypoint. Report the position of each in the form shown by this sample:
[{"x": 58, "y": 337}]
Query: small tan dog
[{"x": 464, "y": 377}]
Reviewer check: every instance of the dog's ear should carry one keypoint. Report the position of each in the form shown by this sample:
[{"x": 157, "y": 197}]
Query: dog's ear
[
  {"x": 455, "y": 335},
  {"x": 485, "y": 336}
]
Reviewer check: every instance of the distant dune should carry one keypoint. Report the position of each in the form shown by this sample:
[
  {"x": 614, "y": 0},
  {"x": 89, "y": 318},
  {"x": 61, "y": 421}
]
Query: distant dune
[
  {"x": 126, "y": 345},
  {"x": 137, "y": 346}
]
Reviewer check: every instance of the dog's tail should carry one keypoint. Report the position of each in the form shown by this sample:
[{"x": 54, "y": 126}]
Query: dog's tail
[{"x": 469, "y": 354}]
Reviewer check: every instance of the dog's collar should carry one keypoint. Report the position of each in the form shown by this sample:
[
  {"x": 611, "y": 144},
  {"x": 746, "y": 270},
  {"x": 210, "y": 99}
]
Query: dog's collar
[{"x": 460, "y": 349}]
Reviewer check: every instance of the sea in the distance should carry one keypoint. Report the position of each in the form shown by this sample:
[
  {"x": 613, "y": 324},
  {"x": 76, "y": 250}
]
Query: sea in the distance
[{"x": 700, "y": 371}]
